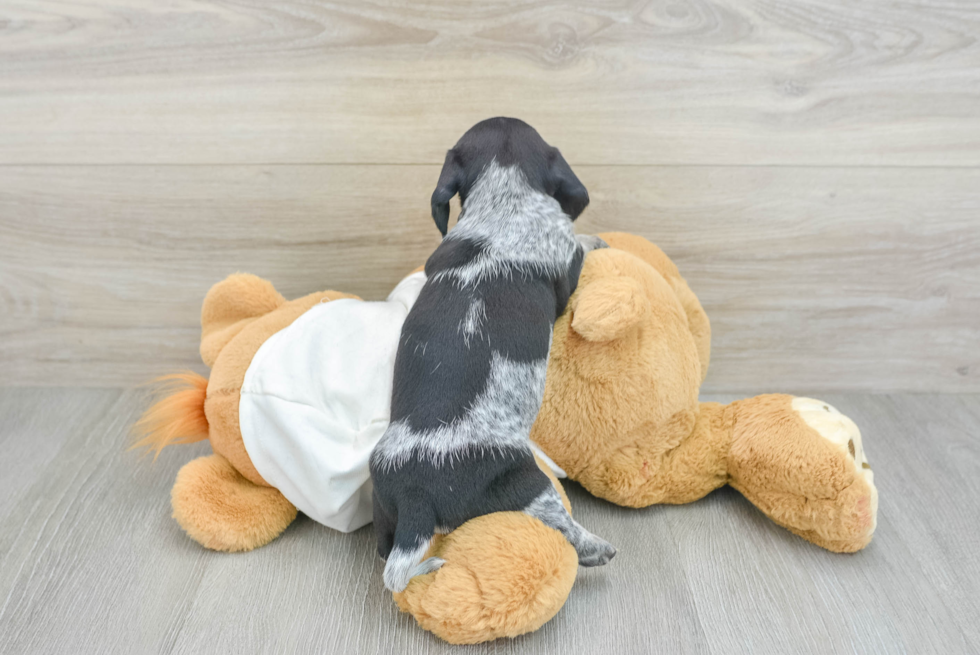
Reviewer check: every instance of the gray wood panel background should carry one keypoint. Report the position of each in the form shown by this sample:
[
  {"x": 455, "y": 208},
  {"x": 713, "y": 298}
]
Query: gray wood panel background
[
  {"x": 90, "y": 560},
  {"x": 814, "y": 168}
]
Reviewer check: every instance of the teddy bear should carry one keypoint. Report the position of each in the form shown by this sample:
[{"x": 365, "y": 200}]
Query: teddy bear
[{"x": 620, "y": 415}]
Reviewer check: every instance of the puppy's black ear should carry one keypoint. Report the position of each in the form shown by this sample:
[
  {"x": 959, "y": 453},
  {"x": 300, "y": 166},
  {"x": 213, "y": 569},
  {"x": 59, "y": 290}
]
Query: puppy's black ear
[
  {"x": 569, "y": 192},
  {"x": 449, "y": 182}
]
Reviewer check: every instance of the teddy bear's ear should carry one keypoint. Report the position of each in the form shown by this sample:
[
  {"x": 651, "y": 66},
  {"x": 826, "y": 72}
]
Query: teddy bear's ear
[{"x": 609, "y": 308}]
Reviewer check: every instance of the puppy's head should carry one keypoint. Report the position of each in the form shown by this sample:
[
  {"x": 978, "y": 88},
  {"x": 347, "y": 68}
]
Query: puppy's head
[{"x": 511, "y": 142}]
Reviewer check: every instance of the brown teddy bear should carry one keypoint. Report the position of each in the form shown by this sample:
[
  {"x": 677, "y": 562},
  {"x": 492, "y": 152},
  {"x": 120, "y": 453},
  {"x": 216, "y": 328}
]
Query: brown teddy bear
[
  {"x": 621, "y": 412},
  {"x": 620, "y": 415}
]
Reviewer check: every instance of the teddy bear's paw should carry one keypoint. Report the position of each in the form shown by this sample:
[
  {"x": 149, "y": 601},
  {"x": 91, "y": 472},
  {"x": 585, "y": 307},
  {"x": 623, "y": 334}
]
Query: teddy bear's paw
[
  {"x": 221, "y": 510},
  {"x": 860, "y": 500},
  {"x": 837, "y": 428},
  {"x": 802, "y": 463}
]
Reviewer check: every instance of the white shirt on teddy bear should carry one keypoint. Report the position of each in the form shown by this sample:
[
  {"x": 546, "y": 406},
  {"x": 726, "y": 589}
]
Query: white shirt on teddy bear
[{"x": 316, "y": 399}]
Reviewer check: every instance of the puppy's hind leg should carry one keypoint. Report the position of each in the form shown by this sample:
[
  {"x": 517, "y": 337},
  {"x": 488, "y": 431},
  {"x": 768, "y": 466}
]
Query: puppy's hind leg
[
  {"x": 384, "y": 528},
  {"x": 592, "y": 550},
  {"x": 413, "y": 536}
]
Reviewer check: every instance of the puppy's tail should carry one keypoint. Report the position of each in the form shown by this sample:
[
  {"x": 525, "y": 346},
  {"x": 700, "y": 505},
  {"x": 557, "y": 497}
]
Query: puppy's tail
[
  {"x": 177, "y": 417},
  {"x": 413, "y": 537}
]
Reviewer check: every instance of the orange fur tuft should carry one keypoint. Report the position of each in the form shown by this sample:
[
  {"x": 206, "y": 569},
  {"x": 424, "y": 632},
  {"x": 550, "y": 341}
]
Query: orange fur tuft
[{"x": 178, "y": 417}]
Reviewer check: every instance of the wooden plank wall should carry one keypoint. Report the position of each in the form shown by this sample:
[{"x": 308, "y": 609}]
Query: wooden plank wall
[{"x": 812, "y": 167}]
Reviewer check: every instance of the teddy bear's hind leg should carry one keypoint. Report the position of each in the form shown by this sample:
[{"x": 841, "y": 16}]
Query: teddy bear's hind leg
[
  {"x": 802, "y": 463},
  {"x": 857, "y": 515},
  {"x": 676, "y": 462},
  {"x": 221, "y": 510}
]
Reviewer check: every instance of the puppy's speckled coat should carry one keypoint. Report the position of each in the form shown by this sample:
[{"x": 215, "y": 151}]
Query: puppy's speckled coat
[{"x": 470, "y": 369}]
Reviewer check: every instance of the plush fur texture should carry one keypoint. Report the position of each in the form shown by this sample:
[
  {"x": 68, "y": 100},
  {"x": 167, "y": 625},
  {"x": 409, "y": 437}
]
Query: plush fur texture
[
  {"x": 800, "y": 479},
  {"x": 222, "y": 510},
  {"x": 231, "y": 305}
]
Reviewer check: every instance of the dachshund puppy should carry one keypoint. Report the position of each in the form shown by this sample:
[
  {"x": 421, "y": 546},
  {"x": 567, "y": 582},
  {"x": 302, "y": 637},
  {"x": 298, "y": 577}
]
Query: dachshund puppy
[{"x": 471, "y": 361}]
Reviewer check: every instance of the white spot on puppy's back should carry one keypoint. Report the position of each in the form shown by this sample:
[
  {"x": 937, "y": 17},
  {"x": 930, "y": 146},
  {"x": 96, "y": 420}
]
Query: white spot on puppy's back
[{"x": 471, "y": 323}]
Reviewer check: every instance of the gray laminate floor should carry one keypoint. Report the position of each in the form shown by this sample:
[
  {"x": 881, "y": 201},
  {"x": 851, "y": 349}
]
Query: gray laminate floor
[{"x": 90, "y": 560}]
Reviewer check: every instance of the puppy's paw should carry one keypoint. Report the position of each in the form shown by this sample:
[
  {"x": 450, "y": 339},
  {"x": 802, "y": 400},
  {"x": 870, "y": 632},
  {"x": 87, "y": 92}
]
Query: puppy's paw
[
  {"x": 596, "y": 552},
  {"x": 591, "y": 242},
  {"x": 428, "y": 566}
]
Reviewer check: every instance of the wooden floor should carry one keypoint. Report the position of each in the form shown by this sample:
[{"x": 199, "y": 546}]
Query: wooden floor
[{"x": 90, "y": 560}]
